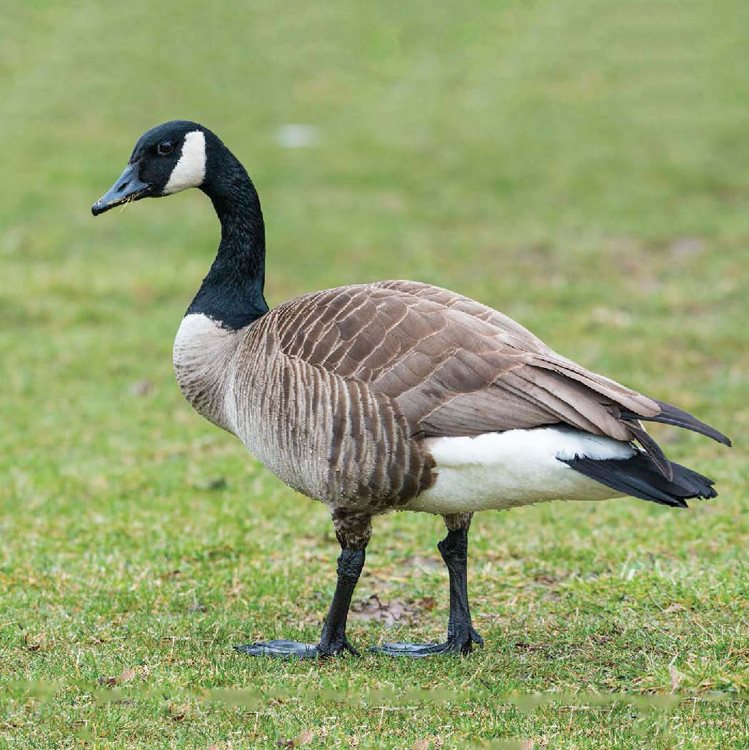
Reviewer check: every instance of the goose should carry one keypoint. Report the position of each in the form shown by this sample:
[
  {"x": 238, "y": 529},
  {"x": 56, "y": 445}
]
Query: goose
[{"x": 392, "y": 395}]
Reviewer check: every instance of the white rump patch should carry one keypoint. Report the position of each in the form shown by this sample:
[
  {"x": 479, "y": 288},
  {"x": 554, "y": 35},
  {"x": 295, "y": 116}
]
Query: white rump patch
[
  {"x": 499, "y": 470},
  {"x": 190, "y": 169}
]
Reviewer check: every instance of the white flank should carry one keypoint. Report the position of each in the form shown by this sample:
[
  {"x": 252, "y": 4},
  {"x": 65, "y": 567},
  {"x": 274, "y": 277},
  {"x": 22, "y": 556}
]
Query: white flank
[
  {"x": 499, "y": 470},
  {"x": 190, "y": 169}
]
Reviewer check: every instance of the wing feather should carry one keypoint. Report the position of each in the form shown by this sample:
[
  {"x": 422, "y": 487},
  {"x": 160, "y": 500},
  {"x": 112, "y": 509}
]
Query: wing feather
[{"x": 454, "y": 366}]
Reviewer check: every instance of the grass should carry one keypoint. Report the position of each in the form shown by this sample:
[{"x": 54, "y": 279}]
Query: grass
[{"x": 580, "y": 165}]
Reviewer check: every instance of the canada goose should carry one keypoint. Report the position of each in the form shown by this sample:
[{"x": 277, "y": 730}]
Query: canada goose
[{"x": 394, "y": 395}]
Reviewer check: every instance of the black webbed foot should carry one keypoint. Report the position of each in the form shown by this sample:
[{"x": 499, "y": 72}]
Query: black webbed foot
[
  {"x": 281, "y": 649},
  {"x": 455, "y": 644}
]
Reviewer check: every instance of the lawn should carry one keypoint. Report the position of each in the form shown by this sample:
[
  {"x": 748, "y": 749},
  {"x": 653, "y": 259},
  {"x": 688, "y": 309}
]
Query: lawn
[{"x": 582, "y": 166}]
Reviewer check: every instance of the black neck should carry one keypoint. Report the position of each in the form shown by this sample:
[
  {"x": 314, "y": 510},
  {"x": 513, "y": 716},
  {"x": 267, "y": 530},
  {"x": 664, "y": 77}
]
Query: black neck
[{"x": 232, "y": 292}]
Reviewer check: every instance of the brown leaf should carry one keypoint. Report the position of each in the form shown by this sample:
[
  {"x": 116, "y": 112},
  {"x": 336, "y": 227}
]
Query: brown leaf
[
  {"x": 305, "y": 737},
  {"x": 427, "y": 602},
  {"x": 34, "y": 642},
  {"x": 178, "y": 712},
  {"x": 125, "y": 676},
  {"x": 387, "y": 612}
]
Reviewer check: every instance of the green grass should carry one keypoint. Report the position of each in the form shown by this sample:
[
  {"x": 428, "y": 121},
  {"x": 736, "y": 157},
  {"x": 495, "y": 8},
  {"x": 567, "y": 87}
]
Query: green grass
[{"x": 583, "y": 166}]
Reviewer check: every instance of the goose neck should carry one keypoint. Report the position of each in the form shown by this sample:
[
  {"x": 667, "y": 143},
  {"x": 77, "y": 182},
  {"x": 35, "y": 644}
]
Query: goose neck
[{"x": 232, "y": 292}]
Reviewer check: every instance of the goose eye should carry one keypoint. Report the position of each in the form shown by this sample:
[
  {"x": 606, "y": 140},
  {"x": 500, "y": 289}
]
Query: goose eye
[{"x": 165, "y": 147}]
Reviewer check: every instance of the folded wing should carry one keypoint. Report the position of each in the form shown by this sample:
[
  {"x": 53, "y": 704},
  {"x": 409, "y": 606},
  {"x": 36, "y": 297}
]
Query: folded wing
[{"x": 455, "y": 367}]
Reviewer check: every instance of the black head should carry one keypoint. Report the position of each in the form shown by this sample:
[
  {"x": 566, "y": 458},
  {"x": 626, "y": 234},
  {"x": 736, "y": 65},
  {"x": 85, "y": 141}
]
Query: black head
[{"x": 166, "y": 159}]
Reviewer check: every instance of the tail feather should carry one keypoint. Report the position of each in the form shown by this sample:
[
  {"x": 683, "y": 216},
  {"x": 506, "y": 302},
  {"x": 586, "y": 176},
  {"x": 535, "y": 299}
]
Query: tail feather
[
  {"x": 652, "y": 449},
  {"x": 672, "y": 415},
  {"x": 640, "y": 477}
]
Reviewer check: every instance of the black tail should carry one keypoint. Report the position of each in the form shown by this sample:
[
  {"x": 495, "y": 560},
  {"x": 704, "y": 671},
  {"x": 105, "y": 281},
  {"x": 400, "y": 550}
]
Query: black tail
[
  {"x": 679, "y": 418},
  {"x": 640, "y": 477}
]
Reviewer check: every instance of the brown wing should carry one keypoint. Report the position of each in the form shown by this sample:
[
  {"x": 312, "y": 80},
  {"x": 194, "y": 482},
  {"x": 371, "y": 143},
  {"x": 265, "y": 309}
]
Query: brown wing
[{"x": 453, "y": 366}]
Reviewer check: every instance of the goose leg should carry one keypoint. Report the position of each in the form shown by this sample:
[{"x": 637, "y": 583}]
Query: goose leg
[
  {"x": 460, "y": 632},
  {"x": 333, "y": 639}
]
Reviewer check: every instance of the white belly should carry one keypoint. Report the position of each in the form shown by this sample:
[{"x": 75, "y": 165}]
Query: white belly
[{"x": 499, "y": 470}]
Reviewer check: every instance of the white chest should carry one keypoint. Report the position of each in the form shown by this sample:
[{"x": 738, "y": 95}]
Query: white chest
[{"x": 203, "y": 363}]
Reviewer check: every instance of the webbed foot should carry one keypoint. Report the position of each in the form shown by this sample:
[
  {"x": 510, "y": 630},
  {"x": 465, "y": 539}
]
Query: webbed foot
[
  {"x": 455, "y": 644},
  {"x": 281, "y": 649}
]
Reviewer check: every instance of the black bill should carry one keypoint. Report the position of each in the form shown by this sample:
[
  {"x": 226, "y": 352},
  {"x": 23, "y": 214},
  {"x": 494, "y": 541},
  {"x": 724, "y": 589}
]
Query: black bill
[{"x": 128, "y": 187}]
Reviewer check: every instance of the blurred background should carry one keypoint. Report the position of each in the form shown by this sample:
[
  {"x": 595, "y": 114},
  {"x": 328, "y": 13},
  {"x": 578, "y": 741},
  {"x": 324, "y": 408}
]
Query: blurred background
[{"x": 582, "y": 166}]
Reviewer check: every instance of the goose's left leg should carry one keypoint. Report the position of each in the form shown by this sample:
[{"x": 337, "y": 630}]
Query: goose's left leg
[
  {"x": 460, "y": 632},
  {"x": 353, "y": 532}
]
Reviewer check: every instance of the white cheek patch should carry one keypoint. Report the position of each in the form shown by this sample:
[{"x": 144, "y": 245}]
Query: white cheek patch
[{"x": 190, "y": 169}]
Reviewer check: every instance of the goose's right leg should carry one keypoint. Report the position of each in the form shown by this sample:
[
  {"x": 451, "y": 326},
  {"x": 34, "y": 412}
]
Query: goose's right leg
[{"x": 353, "y": 534}]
